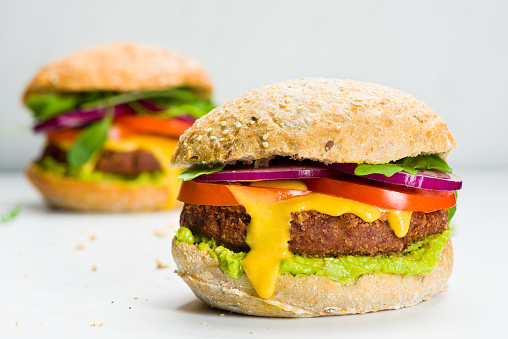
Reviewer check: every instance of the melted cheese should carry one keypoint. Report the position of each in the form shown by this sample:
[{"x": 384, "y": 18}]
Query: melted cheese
[
  {"x": 285, "y": 184},
  {"x": 268, "y": 231},
  {"x": 399, "y": 222}
]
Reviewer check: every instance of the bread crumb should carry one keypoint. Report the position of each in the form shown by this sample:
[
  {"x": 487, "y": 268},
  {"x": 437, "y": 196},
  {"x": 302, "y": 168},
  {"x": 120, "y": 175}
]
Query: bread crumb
[
  {"x": 42, "y": 322},
  {"x": 97, "y": 325},
  {"x": 221, "y": 315},
  {"x": 161, "y": 265},
  {"x": 80, "y": 246},
  {"x": 265, "y": 136},
  {"x": 223, "y": 123},
  {"x": 135, "y": 298},
  {"x": 209, "y": 129},
  {"x": 251, "y": 332},
  {"x": 265, "y": 144},
  {"x": 203, "y": 323},
  {"x": 94, "y": 268},
  {"x": 16, "y": 324},
  {"x": 92, "y": 237}
]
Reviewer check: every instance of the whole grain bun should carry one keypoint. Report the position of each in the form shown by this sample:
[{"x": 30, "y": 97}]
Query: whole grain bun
[
  {"x": 306, "y": 296},
  {"x": 327, "y": 120},
  {"x": 75, "y": 194},
  {"x": 122, "y": 68}
]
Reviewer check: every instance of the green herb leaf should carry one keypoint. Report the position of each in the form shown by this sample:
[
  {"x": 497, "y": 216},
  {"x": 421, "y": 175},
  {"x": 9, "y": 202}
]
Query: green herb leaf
[
  {"x": 46, "y": 106},
  {"x": 9, "y": 216},
  {"x": 452, "y": 210},
  {"x": 197, "y": 170},
  {"x": 410, "y": 165},
  {"x": 90, "y": 141}
]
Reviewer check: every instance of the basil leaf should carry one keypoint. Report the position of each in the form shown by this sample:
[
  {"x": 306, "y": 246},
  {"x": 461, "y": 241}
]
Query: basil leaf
[
  {"x": 197, "y": 170},
  {"x": 410, "y": 165},
  {"x": 90, "y": 141},
  {"x": 9, "y": 216}
]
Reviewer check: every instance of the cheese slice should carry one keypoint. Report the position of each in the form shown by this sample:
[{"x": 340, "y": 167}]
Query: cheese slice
[{"x": 268, "y": 231}]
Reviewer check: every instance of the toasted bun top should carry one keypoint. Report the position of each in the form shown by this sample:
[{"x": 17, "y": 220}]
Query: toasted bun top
[
  {"x": 122, "y": 68},
  {"x": 326, "y": 120}
]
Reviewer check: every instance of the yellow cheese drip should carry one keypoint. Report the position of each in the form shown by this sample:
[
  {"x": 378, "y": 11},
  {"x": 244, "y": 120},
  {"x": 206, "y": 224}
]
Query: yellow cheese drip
[{"x": 399, "y": 222}]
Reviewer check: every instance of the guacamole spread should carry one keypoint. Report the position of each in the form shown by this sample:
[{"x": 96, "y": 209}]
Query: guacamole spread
[
  {"x": 86, "y": 172},
  {"x": 418, "y": 259}
]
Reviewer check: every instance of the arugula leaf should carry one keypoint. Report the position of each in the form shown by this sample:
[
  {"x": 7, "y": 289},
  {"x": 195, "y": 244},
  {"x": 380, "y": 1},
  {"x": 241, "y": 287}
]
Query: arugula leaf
[
  {"x": 9, "y": 216},
  {"x": 197, "y": 170},
  {"x": 46, "y": 106},
  {"x": 90, "y": 141},
  {"x": 410, "y": 165},
  {"x": 452, "y": 210},
  {"x": 177, "y": 101}
]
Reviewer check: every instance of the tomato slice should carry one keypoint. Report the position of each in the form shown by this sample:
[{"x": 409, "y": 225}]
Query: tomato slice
[
  {"x": 384, "y": 196},
  {"x": 153, "y": 125},
  {"x": 214, "y": 194},
  {"x": 69, "y": 135},
  {"x": 63, "y": 135}
]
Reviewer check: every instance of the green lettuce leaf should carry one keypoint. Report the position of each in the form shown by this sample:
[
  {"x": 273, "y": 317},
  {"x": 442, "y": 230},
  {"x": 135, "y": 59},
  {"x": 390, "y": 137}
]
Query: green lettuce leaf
[
  {"x": 410, "y": 165},
  {"x": 90, "y": 141},
  {"x": 197, "y": 170}
]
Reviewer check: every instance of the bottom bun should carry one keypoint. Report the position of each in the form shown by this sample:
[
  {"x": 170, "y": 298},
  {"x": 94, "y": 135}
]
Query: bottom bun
[
  {"x": 308, "y": 296},
  {"x": 75, "y": 194}
]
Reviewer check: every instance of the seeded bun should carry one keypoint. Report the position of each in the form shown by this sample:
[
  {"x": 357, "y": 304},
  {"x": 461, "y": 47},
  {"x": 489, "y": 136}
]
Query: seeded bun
[
  {"x": 308, "y": 296},
  {"x": 121, "y": 68},
  {"x": 327, "y": 120},
  {"x": 75, "y": 194}
]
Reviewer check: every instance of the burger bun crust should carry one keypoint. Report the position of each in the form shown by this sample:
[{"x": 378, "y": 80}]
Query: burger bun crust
[
  {"x": 121, "y": 67},
  {"x": 308, "y": 296},
  {"x": 326, "y": 120},
  {"x": 86, "y": 196}
]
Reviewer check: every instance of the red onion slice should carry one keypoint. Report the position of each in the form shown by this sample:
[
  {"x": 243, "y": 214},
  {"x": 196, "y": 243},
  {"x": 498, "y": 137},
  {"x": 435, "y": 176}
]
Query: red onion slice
[
  {"x": 276, "y": 172},
  {"x": 425, "y": 179},
  {"x": 79, "y": 118}
]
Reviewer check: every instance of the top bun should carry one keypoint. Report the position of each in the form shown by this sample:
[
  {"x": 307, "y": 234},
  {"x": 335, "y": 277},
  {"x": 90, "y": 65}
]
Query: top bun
[
  {"x": 122, "y": 68},
  {"x": 326, "y": 120}
]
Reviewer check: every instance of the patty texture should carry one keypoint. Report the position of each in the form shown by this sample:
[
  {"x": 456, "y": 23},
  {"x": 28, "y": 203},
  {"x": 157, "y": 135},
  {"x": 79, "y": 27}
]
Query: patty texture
[
  {"x": 121, "y": 163},
  {"x": 314, "y": 234}
]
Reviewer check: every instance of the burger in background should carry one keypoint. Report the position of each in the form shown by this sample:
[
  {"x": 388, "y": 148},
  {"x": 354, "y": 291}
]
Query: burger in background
[
  {"x": 316, "y": 197},
  {"x": 112, "y": 116}
]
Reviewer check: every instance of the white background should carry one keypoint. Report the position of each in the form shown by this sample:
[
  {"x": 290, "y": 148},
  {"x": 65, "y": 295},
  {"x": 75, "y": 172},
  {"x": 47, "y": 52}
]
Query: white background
[{"x": 450, "y": 54}]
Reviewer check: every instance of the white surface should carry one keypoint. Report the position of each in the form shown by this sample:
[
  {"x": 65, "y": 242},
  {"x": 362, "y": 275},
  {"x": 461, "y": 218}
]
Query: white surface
[
  {"x": 48, "y": 288},
  {"x": 450, "y": 54}
]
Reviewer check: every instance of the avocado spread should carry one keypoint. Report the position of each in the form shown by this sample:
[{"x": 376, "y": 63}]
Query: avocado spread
[
  {"x": 418, "y": 259},
  {"x": 87, "y": 173}
]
